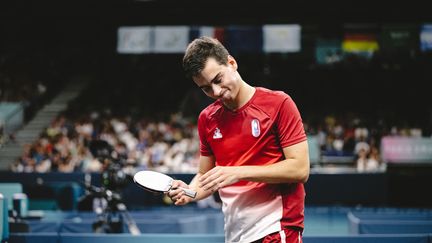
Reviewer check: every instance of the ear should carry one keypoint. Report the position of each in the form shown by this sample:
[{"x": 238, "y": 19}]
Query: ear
[{"x": 232, "y": 62}]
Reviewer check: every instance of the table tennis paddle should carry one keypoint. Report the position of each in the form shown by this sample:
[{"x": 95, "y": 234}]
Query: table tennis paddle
[{"x": 158, "y": 182}]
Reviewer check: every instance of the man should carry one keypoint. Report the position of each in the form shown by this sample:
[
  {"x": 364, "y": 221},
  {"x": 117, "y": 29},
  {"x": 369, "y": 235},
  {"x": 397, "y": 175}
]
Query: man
[{"x": 253, "y": 150}]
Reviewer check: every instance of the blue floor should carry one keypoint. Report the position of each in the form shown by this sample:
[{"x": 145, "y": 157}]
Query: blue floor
[
  {"x": 319, "y": 220},
  {"x": 326, "y": 221},
  {"x": 189, "y": 224}
]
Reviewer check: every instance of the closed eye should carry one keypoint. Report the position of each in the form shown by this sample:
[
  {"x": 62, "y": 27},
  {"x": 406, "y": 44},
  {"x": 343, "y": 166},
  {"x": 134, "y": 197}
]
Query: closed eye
[{"x": 206, "y": 89}]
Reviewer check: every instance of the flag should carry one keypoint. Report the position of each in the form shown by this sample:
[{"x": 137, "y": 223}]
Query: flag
[
  {"x": 244, "y": 39},
  {"x": 171, "y": 39},
  {"x": 211, "y": 31},
  {"x": 134, "y": 40},
  {"x": 328, "y": 51},
  {"x": 399, "y": 38},
  {"x": 282, "y": 38},
  {"x": 426, "y": 37},
  {"x": 363, "y": 44}
]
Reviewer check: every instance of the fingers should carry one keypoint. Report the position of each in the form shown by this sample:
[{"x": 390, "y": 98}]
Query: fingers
[
  {"x": 213, "y": 179},
  {"x": 209, "y": 179},
  {"x": 211, "y": 185},
  {"x": 182, "y": 201},
  {"x": 218, "y": 177},
  {"x": 176, "y": 194},
  {"x": 178, "y": 183},
  {"x": 178, "y": 197}
]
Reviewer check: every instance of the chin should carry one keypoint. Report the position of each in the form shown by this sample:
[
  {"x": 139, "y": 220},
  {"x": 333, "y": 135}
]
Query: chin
[{"x": 226, "y": 99}]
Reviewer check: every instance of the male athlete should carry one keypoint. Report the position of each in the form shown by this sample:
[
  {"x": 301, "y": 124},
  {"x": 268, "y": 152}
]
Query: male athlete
[{"x": 253, "y": 150}]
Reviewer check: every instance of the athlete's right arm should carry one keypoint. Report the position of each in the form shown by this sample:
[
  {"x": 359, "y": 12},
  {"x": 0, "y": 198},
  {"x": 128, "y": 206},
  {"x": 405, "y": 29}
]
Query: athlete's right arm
[{"x": 206, "y": 163}]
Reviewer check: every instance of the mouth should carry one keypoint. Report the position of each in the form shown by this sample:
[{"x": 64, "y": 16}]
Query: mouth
[{"x": 224, "y": 95}]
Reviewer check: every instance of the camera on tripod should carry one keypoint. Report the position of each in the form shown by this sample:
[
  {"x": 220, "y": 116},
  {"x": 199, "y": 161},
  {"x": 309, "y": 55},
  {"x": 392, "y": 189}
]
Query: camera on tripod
[
  {"x": 106, "y": 201},
  {"x": 113, "y": 176}
]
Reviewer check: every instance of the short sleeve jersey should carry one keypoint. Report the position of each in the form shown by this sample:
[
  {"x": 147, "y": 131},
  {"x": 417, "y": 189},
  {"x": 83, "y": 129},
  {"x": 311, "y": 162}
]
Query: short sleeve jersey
[{"x": 255, "y": 135}]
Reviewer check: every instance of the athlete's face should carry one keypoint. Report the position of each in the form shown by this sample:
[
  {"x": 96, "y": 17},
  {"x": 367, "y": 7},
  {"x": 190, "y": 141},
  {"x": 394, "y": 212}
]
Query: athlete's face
[{"x": 219, "y": 81}]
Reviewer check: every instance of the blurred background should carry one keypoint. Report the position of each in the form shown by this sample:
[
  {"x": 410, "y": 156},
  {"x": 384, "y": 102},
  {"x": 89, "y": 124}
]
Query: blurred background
[{"x": 93, "y": 91}]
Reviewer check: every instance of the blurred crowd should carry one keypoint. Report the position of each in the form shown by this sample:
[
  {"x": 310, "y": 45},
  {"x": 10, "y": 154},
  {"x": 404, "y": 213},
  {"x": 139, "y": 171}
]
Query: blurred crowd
[
  {"x": 357, "y": 138},
  {"x": 169, "y": 145}
]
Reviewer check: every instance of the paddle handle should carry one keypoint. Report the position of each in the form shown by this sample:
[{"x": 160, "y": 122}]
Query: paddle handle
[{"x": 189, "y": 192}]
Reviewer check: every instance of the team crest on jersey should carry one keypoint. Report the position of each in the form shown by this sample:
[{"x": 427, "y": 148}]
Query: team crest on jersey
[
  {"x": 217, "y": 134},
  {"x": 255, "y": 127}
]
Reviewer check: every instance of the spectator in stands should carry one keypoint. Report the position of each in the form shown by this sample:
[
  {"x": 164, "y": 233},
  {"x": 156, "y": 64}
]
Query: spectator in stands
[
  {"x": 369, "y": 161},
  {"x": 254, "y": 150},
  {"x": 338, "y": 144},
  {"x": 322, "y": 137},
  {"x": 375, "y": 163},
  {"x": 362, "y": 160},
  {"x": 26, "y": 163},
  {"x": 361, "y": 143}
]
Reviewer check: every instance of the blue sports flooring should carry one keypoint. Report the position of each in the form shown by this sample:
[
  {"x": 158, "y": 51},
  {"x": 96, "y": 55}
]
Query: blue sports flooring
[
  {"x": 326, "y": 221},
  {"x": 319, "y": 221},
  {"x": 205, "y": 225}
]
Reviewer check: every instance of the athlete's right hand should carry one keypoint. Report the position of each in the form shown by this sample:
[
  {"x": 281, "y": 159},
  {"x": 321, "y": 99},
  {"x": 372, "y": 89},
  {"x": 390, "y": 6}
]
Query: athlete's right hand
[{"x": 177, "y": 195}]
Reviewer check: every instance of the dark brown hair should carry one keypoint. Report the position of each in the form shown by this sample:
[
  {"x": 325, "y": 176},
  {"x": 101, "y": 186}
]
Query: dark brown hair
[{"x": 199, "y": 51}]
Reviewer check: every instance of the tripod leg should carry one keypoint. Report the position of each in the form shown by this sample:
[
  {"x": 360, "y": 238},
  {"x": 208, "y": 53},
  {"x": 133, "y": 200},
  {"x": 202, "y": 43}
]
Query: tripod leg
[{"x": 132, "y": 226}]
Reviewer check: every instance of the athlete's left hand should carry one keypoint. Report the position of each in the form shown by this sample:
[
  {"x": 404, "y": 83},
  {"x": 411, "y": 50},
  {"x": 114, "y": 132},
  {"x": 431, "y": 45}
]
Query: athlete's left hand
[{"x": 218, "y": 177}]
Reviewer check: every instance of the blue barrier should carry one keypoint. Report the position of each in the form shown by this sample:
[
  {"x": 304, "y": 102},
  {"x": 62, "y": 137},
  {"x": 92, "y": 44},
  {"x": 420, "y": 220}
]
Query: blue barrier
[
  {"x": 8, "y": 190},
  {"x": 4, "y": 229},
  {"x": 395, "y": 238},
  {"x": 43, "y": 227},
  {"x": 201, "y": 238},
  {"x": 384, "y": 189},
  {"x": 34, "y": 238},
  {"x": 147, "y": 238},
  {"x": 199, "y": 222},
  {"x": 395, "y": 214},
  {"x": 416, "y": 216},
  {"x": 389, "y": 223}
]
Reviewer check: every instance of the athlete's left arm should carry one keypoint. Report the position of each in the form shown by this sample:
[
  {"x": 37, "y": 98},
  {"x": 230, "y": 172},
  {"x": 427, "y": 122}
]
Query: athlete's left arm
[{"x": 294, "y": 168}]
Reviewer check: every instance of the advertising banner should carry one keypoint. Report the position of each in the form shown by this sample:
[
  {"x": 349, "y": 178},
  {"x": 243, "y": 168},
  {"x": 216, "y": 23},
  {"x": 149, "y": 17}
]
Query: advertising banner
[{"x": 406, "y": 150}]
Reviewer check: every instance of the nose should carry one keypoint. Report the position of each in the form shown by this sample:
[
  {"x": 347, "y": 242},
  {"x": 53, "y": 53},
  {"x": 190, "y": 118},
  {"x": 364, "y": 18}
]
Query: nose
[{"x": 217, "y": 91}]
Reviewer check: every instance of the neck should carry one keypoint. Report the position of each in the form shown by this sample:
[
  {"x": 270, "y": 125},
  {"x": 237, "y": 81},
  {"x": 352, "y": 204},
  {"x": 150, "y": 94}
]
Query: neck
[{"x": 244, "y": 95}]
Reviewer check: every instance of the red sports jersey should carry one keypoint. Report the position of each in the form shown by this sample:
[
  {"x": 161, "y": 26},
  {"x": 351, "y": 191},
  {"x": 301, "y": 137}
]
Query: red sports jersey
[{"x": 255, "y": 135}]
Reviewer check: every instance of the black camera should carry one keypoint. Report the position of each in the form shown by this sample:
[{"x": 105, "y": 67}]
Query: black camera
[
  {"x": 106, "y": 201},
  {"x": 113, "y": 176}
]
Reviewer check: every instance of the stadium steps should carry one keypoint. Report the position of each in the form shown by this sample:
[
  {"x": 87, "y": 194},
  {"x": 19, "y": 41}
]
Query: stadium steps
[{"x": 31, "y": 131}]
